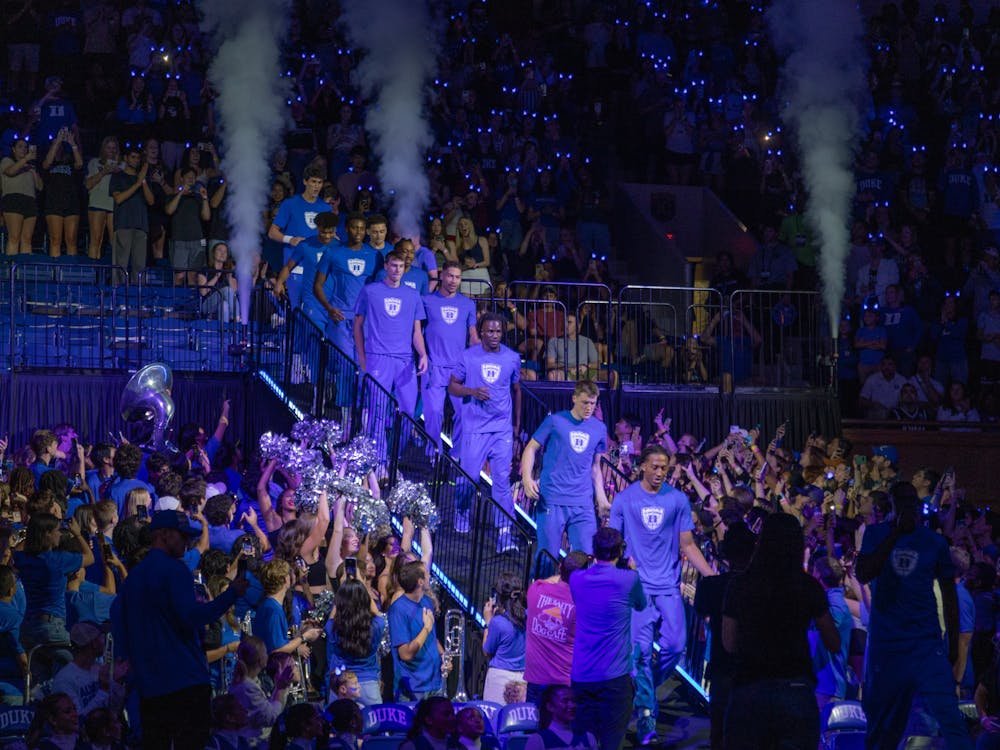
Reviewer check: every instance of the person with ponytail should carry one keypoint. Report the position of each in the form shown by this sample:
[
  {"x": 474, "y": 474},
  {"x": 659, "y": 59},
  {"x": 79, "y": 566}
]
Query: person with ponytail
[
  {"x": 297, "y": 728},
  {"x": 556, "y": 715},
  {"x": 503, "y": 641}
]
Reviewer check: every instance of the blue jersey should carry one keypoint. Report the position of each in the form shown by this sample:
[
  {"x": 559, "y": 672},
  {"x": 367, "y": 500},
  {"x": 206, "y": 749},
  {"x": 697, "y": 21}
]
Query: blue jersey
[
  {"x": 447, "y": 329},
  {"x": 652, "y": 524},
  {"x": 423, "y": 671},
  {"x": 904, "y": 608},
  {"x": 415, "y": 278},
  {"x": 307, "y": 255},
  {"x": 347, "y": 271},
  {"x": 498, "y": 371},
  {"x": 390, "y": 313},
  {"x": 425, "y": 259},
  {"x": 296, "y": 217},
  {"x": 570, "y": 449}
]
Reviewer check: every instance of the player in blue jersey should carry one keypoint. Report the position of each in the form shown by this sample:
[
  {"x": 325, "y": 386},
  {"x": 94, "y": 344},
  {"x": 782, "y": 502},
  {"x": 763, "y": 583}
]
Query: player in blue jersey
[
  {"x": 377, "y": 228},
  {"x": 571, "y": 474},
  {"x": 387, "y": 330},
  {"x": 450, "y": 328},
  {"x": 304, "y": 261},
  {"x": 296, "y": 220},
  {"x": 487, "y": 379},
  {"x": 656, "y": 522},
  {"x": 413, "y": 276},
  {"x": 340, "y": 276}
]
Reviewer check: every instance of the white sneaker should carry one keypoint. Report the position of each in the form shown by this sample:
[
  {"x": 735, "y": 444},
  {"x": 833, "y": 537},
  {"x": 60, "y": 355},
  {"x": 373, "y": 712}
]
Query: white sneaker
[
  {"x": 462, "y": 523},
  {"x": 505, "y": 542}
]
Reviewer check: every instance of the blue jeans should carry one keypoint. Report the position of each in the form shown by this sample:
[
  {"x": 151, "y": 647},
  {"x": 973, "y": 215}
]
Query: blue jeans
[
  {"x": 579, "y": 523},
  {"x": 668, "y": 610},
  {"x": 778, "y": 714},
  {"x": 603, "y": 709},
  {"x": 893, "y": 676}
]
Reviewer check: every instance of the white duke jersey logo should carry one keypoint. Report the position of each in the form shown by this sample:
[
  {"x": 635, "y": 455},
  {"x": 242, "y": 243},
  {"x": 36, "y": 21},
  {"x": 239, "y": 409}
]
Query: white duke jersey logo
[
  {"x": 310, "y": 217},
  {"x": 356, "y": 266},
  {"x": 579, "y": 440},
  {"x": 410, "y": 284},
  {"x": 392, "y": 306},
  {"x": 449, "y": 314},
  {"x": 904, "y": 561},
  {"x": 490, "y": 372},
  {"x": 652, "y": 517}
]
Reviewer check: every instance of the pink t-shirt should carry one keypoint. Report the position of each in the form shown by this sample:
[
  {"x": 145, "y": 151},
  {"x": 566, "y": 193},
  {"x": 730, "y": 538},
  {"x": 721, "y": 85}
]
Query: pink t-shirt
[{"x": 550, "y": 629}]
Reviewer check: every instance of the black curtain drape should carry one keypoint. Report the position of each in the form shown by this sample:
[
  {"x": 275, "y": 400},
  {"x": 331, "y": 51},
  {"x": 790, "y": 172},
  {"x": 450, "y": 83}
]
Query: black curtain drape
[{"x": 90, "y": 402}]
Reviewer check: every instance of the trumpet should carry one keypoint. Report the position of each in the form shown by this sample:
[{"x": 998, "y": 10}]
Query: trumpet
[
  {"x": 299, "y": 691},
  {"x": 454, "y": 647}
]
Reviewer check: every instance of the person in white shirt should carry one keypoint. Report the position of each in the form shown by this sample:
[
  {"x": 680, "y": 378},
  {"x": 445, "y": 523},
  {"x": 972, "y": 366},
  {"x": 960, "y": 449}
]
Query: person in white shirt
[
  {"x": 89, "y": 684},
  {"x": 880, "y": 393},
  {"x": 878, "y": 274}
]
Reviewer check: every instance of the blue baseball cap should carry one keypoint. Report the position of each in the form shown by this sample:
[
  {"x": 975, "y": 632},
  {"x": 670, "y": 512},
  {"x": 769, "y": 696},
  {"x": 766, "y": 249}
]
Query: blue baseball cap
[{"x": 173, "y": 519}]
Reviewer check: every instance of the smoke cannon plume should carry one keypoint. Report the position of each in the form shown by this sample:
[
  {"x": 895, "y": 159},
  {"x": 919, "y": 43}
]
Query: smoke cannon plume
[
  {"x": 399, "y": 39},
  {"x": 246, "y": 73},
  {"x": 824, "y": 83}
]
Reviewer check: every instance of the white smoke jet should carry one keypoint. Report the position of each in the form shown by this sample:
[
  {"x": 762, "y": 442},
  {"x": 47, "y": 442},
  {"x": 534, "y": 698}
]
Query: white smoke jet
[
  {"x": 251, "y": 104},
  {"x": 824, "y": 82},
  {"x": 399, "y": 38}
]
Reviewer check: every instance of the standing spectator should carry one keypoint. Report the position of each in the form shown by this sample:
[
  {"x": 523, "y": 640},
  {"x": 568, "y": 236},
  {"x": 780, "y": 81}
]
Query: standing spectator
[
  {"x": 551, "y": 628},
  {"x": 656, "y": 523},
  {"x": 174, "y": 122},
  {"x": 387, "y": 329},
  {"x": 19, "y": 183},
  {"x": 100, "y": 204},
  {"x": 503, "y": 639},
  {"x": 874, "y": 277},
  {"x": 832, "y": 674},
  {"x": 765, "y": 620},
  {"x": 605, "y": 597},
  {"x": 736, "y": 549},
  {"x": 188, "y": 208},
  {"x": 948, "y": 334},
  {"x": 157, "y": 605},
  {"x": 903, "y": 328},
  {"x": 22, "y": 34},
  {"x": 131, "y": 214},
  {"x": 416, "y": 651},
  {"x": 473, "y": 252},
  {"x": 270, "y": 623},
  {"x": 62, "y": 166},
  {"x": 905, "y": 650},
  {"x": 571, "y": 473},
  {"x": 679, "y": 134},
  {"x": 451, "y": 327},
  {"x": 42, "y": 569},
  {"x": 870, "y": 341},
  {"x": 354, "y": 633},
  {"x": 135, "y": 110},
  {"x": 988, "y": 331},
  {"x": 488, "y": 379},
  {"x": 127, "y": 460}
]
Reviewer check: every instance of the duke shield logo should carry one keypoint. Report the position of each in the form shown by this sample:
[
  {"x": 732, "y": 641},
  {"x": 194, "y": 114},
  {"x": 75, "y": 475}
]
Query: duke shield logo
[
  {"x": 310, "y": 217},
  {"x": 490, "y": 372},
  {"x": 652, "y": 517},
  {"x": 356, "y": 266},
  {"x": 579, "y": 440},
  {"x": 449, "y": 314},
  {"x": 392, "y": 306},
  {"x": 904, "y": 561}
]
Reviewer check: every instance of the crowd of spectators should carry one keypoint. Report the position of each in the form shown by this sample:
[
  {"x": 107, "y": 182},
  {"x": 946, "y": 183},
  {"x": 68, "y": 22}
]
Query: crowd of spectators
[{"x": 325, "y": 605}]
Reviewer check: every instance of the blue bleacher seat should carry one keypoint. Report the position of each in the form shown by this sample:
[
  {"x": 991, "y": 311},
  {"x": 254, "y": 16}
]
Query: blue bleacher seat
[
  {"x": 845, "y": 741},
  {"x": 841, "y": 716},
  {"x": 387, "y": 742},
  {"x": 517, "y": 741},
  {"x": 517, "y": 718},
  {"x": 387, "y": 718}
]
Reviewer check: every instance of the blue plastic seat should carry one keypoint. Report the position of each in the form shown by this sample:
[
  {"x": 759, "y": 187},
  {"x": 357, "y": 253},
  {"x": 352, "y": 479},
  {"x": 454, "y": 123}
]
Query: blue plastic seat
[
  {"x": 517, "y": 718},
  {"x": 386, "y": 718}
]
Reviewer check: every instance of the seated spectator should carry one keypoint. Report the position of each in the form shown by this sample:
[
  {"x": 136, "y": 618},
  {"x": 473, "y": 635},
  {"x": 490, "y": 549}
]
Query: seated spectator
[
  {"x": 929, "y": 391},
  {"x": 470, "y": 730},
  {"x": 571, "y": 357},
  {"x": 300, "y": 726},
  {"x": 909, "y": 408},
  {"x": 262, "y": 709},
  {"x": 346, "y": 724},
  {"x": 957, "y": 406},
  {"x": 229, "y": 723},
  {"x": 55, "y": 725},
  {"x": 556, "y": 722},
  {"x": 83, "y": 679},
  {"x": 880, "y": 392},
  {"x": 433, "y": 723}
]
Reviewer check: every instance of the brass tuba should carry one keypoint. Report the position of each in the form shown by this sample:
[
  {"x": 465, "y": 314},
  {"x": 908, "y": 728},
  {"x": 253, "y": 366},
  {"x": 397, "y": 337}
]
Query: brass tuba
[{"x": 147, "y": 408}]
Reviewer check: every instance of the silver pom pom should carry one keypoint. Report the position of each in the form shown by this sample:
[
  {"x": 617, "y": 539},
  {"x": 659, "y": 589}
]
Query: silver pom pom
[
  {"x": 359, "y": 456},
  {"x": 412, "y": 499},
  {"x": 318, "y": 433},
  {"x": 367, "y": 512},
  {"x": 273, "y": 446},
  {"x": 316, "y": 480}
]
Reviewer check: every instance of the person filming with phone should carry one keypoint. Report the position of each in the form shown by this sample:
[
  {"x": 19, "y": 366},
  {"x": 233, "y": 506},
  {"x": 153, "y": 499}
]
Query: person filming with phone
[
  {"x": 157, "y": 620},
  {"x": 354, "y": 632}
]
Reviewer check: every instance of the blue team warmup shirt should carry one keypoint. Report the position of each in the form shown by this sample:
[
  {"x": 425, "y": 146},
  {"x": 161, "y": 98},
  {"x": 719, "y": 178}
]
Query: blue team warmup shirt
[
  {"x": 904, "y": 609},
  {"x": 307, "y": 256},
  {"x": 570, "y": 447},
  {"x": 390, "y": 313},
  {"x": 415, "y": 278},
  {"x": 296, "y": 217},
  {"x": 446, "y": 333},
  {"x": 347, "y": 271},
  {"x": 651, "y": 524},
  {"x": 498, "y": 371}
]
